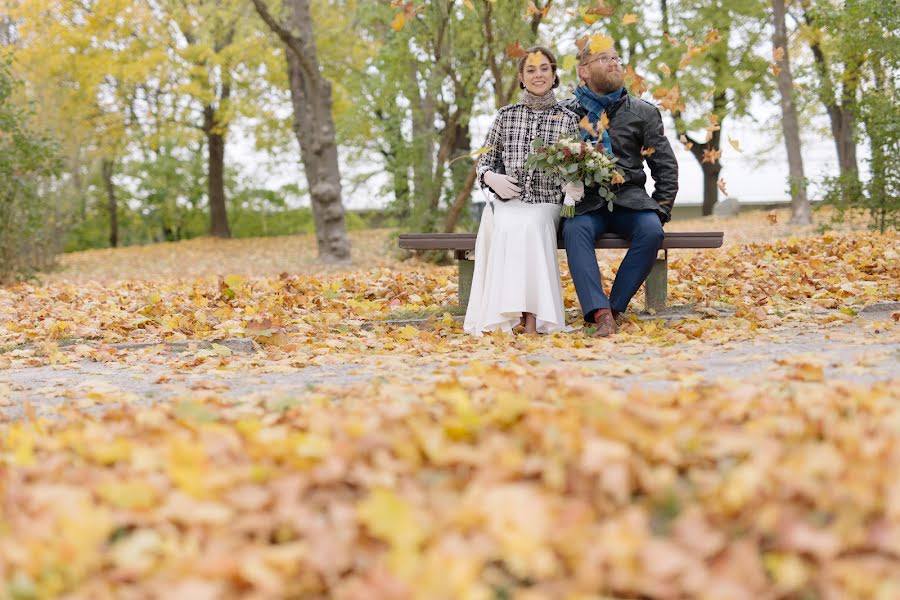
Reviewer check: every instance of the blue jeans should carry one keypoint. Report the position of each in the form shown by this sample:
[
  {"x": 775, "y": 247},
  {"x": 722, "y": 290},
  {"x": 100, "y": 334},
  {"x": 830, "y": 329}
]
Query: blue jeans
[{"x": 645, "y": 231}]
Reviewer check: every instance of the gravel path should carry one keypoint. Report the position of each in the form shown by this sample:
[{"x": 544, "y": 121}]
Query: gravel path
[{"x": 856, "y": 351}]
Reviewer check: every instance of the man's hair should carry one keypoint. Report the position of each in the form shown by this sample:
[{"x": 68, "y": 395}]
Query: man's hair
[
  {"x": 584, "y": 54},
  {"x": 543, "y": 50}
]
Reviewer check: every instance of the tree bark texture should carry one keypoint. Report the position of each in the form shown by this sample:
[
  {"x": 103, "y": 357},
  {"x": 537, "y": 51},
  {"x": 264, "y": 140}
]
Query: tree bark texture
[
  {"x": 800, "y": 212},
  {"x": 313, "y": 127},
  {"x": 111, "y": 204},
  {"x": 215, "y": 182},
  {"x": 840, "y": 114}
]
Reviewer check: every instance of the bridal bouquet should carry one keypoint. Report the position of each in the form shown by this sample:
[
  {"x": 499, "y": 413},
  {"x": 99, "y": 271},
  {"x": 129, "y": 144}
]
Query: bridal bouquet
[{"x": 576, "y": 160}]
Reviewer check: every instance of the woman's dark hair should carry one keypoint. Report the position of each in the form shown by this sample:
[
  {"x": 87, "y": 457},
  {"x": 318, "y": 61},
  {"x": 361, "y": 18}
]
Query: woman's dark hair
[{"x": 546, "y": 52}]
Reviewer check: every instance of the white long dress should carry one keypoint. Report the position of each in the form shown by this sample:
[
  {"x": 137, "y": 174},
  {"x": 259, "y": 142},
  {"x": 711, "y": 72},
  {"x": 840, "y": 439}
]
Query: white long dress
[{"x": 516, "y": 269}]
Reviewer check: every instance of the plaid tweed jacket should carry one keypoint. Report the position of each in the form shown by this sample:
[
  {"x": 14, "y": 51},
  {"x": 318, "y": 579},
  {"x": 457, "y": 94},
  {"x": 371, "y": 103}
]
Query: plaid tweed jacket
[{"x": 510, "y": 138}]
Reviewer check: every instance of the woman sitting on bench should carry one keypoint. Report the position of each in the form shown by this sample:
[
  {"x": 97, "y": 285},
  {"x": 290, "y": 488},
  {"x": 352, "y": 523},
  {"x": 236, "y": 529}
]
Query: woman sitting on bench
[{"x": 516, "y": 279}]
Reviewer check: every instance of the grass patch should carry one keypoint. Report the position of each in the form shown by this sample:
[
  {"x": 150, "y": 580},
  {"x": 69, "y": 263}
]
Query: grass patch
[{"x": 424, "y": 314}]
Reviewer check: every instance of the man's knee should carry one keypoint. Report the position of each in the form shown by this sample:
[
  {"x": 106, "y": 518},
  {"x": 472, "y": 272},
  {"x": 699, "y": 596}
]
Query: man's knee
[
  {"x": 578, "y": 230},
  {"x": 649, "y": 232}
]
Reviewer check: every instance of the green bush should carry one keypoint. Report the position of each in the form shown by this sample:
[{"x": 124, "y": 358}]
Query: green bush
[{"x": 29, "y": 225}]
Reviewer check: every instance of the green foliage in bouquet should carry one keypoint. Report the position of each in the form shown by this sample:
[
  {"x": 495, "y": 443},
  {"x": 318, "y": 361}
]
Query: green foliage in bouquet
[{"x": 577, "y": 160}]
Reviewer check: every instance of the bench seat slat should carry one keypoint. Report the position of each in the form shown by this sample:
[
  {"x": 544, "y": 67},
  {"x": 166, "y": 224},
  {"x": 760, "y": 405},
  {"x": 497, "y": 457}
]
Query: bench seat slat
[{"x": 466, "y": 241}]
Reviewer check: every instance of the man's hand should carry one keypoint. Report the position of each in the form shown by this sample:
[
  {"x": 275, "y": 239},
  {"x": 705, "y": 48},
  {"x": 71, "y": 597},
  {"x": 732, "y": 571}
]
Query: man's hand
[
  {"x": 574, "y": 190},
  {"x": 503, "y": 185}
]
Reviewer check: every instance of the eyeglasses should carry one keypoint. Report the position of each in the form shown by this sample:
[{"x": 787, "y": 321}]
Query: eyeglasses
[{"x": 606, "y": 60}]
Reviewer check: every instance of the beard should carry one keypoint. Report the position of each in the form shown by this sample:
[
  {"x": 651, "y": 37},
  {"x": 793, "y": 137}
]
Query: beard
[{"x": 607, "y": 81}]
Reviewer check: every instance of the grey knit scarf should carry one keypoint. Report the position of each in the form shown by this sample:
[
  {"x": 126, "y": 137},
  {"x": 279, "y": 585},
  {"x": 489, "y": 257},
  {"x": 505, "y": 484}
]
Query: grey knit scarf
[{"x": 533, "y": 102}]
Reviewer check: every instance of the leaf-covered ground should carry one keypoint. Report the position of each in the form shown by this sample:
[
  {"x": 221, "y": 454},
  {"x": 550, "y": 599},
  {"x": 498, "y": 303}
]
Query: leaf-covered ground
[{"x": 428, "y": 464}]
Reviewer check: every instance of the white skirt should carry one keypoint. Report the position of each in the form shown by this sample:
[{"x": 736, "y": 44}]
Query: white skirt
[{"x": 516, "y": 269}]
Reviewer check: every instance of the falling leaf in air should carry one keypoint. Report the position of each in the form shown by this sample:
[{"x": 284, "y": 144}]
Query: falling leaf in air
[
  {"x": 711, "y": 156},
  {"x": 635, "y": 82},
  {"x": 515, "y": 50},
  {"x": 772, "y": 216},
  {"x": 687, "y": 143},
  {"x": 707, "y": 96},
  {"x": 533, "y": 10},
  {"x": 600, "y": 43},
  {"x": 629, "y": 19},
  {"x": 600, "y": 9},
  {"x": 647, "y": 152},
  {"x": 778, "y": 54},
  {"x": 617, "y": 178},
  {"x": 672, "y": 41},
  {"x": 721, "y": 185},
  {"x": 689, "y": 55},
  {"x": 665, "y": 70},
  {"x": 398, "y": 22},
  {"x": 712, "y": 36},
  {"x": 712, "y": 127},
  {"x": 736, "y": 144},
  {"x": 669, "y": 98},
  {"x": 586, "y": 125},
  {"x": 775, "y": 69},
  {"x": 534, "y": 59},
  {"x": 581, "y": 42}
]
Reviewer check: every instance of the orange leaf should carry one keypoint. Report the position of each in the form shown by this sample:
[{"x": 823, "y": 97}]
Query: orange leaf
[
  {"x": 711, "y": 156},
  {"x": 515, "y": 50},
  {"x": 399, "y": 21},
  {"x": 647, "y": 151}
]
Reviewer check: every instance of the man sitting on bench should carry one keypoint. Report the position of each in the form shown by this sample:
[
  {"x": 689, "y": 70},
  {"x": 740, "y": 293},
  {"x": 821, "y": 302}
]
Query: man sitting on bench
[{"x": 634, "y": 132}]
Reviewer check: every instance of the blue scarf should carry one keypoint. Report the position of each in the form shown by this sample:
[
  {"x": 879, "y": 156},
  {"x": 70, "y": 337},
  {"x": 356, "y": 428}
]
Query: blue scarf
[{"x": 596, "y": 105}]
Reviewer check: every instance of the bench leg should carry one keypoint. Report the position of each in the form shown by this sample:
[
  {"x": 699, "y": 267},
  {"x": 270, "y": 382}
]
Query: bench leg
[
  {"x": 466, "y": 272},
  {"x": 656, "y": 289}
]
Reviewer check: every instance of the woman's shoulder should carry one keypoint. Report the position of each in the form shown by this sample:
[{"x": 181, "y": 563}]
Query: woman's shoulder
[{"x": 510, "y": 108}]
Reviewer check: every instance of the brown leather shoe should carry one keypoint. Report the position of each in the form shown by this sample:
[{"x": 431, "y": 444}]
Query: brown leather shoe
[{"x": 606, "y": 324}]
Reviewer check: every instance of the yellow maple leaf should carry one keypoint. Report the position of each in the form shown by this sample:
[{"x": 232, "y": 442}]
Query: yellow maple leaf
[
  {"x": 629, "y": 19},
  {"x": 534, "y": 59},
  {"x": 736, "y": 144},
  {"x": 586, "y": 125},
  {"x": 398, "y": 22},
  {"x": 600, "y": 43}
]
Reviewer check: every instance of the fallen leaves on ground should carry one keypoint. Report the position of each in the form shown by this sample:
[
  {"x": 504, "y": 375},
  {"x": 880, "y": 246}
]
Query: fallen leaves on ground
[
  {"x": 499, "y": 481},
  {"x": 466, "y": 469}
]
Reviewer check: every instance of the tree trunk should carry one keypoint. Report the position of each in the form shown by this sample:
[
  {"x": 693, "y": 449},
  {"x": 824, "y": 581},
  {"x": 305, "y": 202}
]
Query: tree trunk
[
  {"x": 800, "y": 212},
  {"x": 215, "y": 141},
  {"x": 107, "y": 168},
  {"x": 313, "y": 127},
  {"x": 840, "y": 115},
  {"x": 312, "y": 105}
]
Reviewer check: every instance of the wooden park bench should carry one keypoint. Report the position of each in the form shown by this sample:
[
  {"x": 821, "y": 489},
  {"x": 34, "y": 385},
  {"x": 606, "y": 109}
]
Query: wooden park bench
[{"x": 463, "y": 247}]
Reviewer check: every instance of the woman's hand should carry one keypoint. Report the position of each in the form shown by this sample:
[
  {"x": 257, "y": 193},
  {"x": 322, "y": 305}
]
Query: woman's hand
[
  {"x": 504, "y": 186},
  {"x": 574, "y": 190}
]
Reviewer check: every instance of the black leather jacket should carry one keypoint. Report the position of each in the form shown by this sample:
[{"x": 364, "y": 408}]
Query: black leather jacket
[{"x": 635, "y": 124}]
